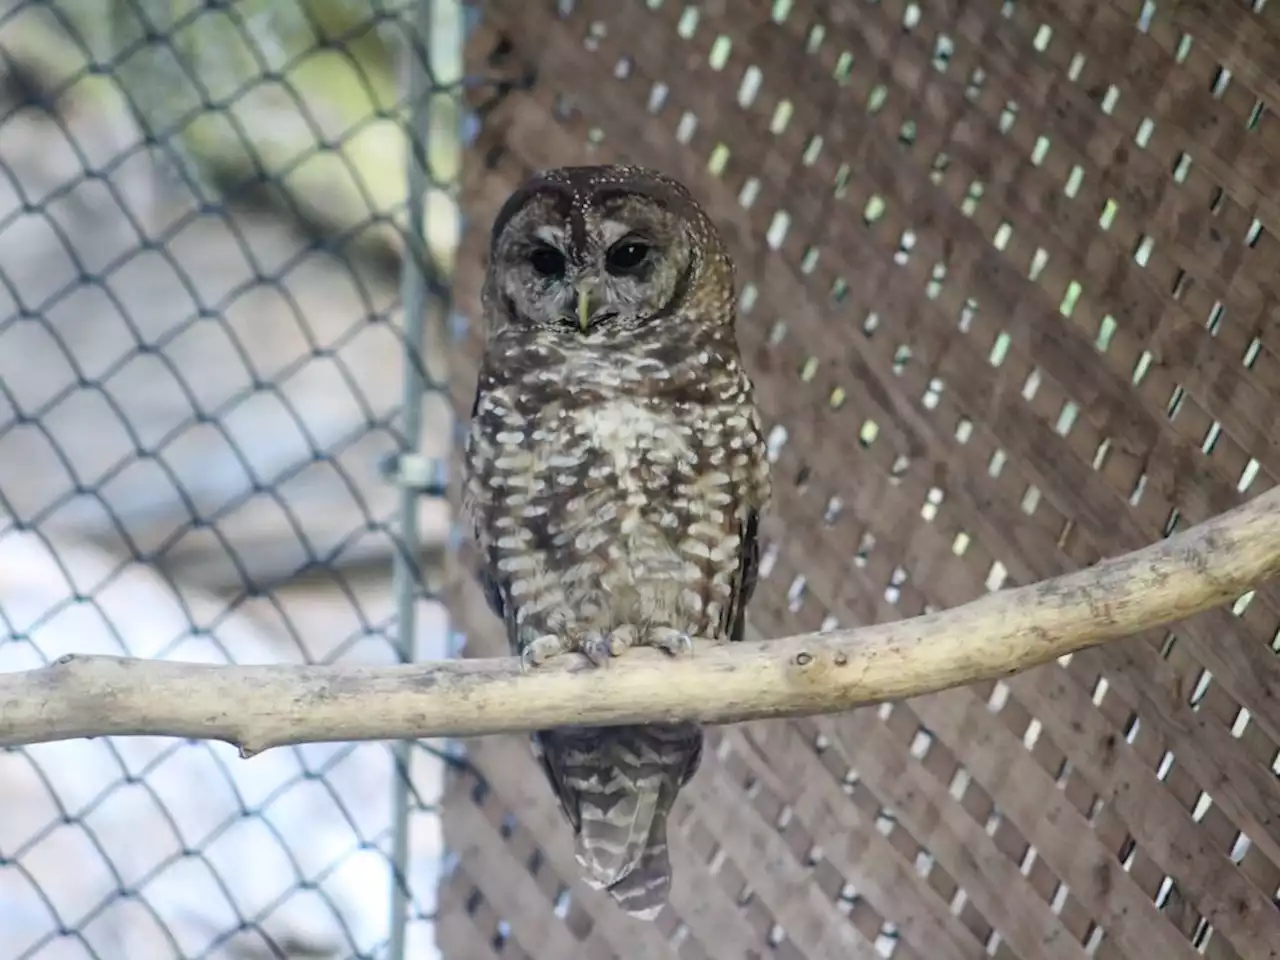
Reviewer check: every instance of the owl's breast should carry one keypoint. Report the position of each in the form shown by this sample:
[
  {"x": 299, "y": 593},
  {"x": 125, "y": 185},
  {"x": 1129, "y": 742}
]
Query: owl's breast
[
  {"x": 621, "y": 508},
  {"x": 631, "y": 443},
  {"x": 627, "y": 460},
  {"x": 622, "y": 533},
  {"x": 654, "y": 504}
]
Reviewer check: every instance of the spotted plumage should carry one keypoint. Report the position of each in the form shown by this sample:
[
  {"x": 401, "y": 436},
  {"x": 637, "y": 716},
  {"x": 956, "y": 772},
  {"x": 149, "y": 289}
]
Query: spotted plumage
[{"x": 616, "y": 471}]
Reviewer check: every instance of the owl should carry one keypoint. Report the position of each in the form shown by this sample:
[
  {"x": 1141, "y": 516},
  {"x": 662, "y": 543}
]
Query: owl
[{"x": 615, "y": 471}]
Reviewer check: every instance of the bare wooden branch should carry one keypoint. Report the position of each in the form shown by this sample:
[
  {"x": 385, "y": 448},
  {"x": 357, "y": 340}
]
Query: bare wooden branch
[{"x": 257, "y": 707}]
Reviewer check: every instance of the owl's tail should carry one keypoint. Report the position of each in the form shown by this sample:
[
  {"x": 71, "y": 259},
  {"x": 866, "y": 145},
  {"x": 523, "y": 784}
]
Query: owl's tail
[
  {"x": 644, "y": 890},
  {"x": 618, "y": 785}
]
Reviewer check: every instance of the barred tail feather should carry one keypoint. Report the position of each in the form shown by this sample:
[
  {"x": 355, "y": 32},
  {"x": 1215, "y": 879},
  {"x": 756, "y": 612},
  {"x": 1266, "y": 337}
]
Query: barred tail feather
[
  {"x": 644, "y": 890},
  {"x": 615, "y": 829},
  {"x": 617, "y": 786}
]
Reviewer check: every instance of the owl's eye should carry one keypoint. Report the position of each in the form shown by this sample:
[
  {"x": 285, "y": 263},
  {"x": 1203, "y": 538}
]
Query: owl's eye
[
  {"x": 548, "y": 261},
  {"x": 628, "y": 255}
]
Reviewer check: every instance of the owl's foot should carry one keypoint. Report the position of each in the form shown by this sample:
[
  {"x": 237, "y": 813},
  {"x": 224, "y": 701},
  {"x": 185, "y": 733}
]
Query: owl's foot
[
  {"x": 541, "y": 649},
  {"x": 669, "y": 640},
  {"x": 600, "y": 647}
]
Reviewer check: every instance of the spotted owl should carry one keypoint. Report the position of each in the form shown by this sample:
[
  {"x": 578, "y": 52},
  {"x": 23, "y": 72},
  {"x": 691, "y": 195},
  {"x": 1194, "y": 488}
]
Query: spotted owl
[{"x": 615, "y": 474}]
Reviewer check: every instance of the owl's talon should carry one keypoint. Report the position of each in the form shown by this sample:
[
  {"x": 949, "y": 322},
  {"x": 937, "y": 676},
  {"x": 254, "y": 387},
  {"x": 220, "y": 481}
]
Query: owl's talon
[
  {"x": 539, "y": 650},
  {"x": 622, "y": 638},
  {"x": 595, "y": 646},
  {"x": 670, "y": 641},
  {"x": 601, "y": 647}
]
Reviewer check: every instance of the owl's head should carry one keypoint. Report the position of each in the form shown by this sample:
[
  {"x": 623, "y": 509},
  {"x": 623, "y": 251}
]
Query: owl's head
[{"x": 598, "y": 250}]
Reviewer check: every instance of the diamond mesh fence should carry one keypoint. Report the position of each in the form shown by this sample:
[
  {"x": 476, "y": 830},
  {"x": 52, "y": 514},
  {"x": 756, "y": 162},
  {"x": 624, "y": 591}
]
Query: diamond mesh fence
[{"x": 226, "y": 231}]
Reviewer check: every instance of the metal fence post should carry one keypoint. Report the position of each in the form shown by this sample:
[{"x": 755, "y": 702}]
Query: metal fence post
[{"x": 415, "y": 474}]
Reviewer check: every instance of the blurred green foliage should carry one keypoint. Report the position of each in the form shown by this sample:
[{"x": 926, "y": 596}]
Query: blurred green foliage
[{"x": 306, "y": 95}]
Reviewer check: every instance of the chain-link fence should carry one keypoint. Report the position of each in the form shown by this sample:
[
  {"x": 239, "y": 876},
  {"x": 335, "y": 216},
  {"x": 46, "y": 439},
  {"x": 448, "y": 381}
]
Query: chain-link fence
[{"x": 215, "y": 301}]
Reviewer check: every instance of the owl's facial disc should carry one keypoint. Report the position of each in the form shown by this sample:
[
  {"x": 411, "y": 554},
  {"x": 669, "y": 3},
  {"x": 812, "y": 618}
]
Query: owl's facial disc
[
  {"x": 611, "y": 263},
  {"x": 591, "y": 290}
]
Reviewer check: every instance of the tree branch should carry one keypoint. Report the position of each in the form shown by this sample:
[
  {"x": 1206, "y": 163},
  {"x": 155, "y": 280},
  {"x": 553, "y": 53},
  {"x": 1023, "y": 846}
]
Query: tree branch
[{"x": 257, "y": 707}]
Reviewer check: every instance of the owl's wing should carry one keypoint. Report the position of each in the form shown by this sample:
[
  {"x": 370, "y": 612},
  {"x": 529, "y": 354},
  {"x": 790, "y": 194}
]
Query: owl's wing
[
  {"x": 486, "y": 573},
  {"x": 559, "y": 778},
  {"x": 744, "y": 583},
  {"x": 695, "y": 759},
  {"x": 492, "y": 592}
]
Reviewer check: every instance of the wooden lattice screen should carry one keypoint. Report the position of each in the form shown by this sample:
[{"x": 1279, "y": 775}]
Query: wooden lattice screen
[{"x": 1009, "y": 282}]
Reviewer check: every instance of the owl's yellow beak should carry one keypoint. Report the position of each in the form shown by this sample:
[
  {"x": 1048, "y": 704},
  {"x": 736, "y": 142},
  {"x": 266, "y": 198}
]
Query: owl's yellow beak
[{"x": 586, "y": 307}]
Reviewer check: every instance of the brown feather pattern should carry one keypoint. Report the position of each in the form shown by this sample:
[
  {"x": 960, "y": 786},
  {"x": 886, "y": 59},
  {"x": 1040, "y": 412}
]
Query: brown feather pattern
[{"x": 614, "y": 479}]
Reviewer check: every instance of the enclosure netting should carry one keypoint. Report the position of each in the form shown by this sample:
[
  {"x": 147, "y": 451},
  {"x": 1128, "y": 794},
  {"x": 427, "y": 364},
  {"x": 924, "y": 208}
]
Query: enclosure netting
[
  {"x": 201, "y": 354},
  {"x": 1009, "y": 276}
]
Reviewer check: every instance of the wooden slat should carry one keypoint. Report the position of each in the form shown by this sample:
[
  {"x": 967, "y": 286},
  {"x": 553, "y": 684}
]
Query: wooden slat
[
  {"x": 956, "y": 419},
  {"x": 809, "y": 919},
  {"x": 509, "y": 889},
  {"x": 851, "y": 842}
]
